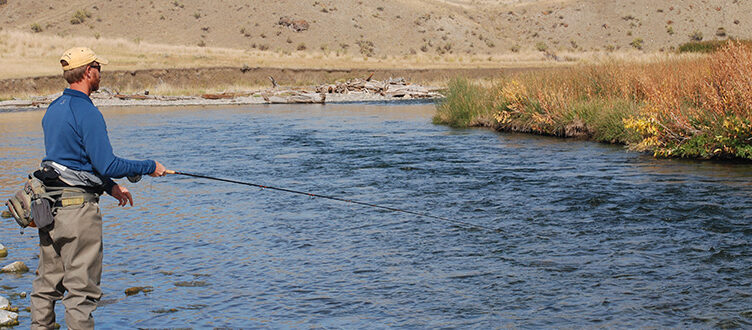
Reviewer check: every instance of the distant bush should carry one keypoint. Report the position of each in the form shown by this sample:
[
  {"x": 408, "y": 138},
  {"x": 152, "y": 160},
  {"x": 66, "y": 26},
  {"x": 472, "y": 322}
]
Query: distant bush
[
  {"x": 541, "y": 46},
  {"x": 636, "y": 43},
  {"x": 366, "y": 48},
  {"x": 36, "y": 28},
  {"x": 80, "y": 16},
  {"x": 515, "y": 49},
  {"x": 302, "y": 46},
  {"x": 696, "y": 36}
]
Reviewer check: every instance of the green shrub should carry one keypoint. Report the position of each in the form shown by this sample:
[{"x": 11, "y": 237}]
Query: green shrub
[
  {"x": 636, "y": 43},
  {"x": 465, "y": 105},
  {"x": 36, "y": 28},
  {"x": 80, "y": 16},
  {"x": 709, "y": 46}
]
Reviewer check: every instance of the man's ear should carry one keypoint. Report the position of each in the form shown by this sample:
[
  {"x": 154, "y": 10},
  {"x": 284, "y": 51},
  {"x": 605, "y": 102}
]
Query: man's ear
[{"x": 88, "y": 71}]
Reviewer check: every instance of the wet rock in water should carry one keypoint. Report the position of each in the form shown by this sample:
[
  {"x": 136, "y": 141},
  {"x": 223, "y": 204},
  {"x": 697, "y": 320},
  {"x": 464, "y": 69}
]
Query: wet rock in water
[
  {"x": 18, "y": 295},
  {"x": 136, "y": 289},
  {"x": 4, "y": 303},
  {"x": 165, "y": 310},
  {"x": 3, "y": 251},
  {"x": 8, "y": 319},
  {"x": 16, "y": 267},
  {"x": 191, "y": 283}
]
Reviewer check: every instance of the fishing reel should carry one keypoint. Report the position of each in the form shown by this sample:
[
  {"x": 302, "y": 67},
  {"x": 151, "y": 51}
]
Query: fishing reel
[{"x": 135, "y": 178}]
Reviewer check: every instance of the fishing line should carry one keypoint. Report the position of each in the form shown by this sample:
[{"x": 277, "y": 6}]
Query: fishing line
[{"x": 393, "y": 209}]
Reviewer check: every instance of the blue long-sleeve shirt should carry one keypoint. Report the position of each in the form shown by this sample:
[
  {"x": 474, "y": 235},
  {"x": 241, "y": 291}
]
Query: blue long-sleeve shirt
[{"x": 75, "y": 135}]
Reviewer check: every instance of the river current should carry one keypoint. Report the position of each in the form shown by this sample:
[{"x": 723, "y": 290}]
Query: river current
[{"x": 584, "y": 234}]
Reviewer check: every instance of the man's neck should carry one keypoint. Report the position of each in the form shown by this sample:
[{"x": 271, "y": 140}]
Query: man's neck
[{"x": 82, "y": 87}]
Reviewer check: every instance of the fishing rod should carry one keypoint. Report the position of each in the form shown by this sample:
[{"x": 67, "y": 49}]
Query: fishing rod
[{"x": 393, "y": 209}]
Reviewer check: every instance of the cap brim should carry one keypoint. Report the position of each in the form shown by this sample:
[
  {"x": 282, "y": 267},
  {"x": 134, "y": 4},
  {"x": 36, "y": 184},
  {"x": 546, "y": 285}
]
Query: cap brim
[{"x": 101, "y": 60}]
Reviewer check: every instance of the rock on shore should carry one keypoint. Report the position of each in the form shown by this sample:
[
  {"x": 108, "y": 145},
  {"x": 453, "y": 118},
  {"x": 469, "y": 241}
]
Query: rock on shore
[{"x": 3, "y": 251}]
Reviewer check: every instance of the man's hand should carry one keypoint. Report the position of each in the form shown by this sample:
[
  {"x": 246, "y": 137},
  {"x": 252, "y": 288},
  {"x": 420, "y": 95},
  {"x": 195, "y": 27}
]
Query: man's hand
[
  {"x": 122, "y": 195},
  {"x": 159, "y": 171}
]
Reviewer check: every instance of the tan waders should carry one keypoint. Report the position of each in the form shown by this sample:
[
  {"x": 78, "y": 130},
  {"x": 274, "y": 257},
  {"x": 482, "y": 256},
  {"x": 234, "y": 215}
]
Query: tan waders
[{"x": 70, "y": 259}]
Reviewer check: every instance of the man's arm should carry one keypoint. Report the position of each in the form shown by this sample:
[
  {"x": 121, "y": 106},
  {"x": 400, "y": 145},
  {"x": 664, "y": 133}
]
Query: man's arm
[{"x": 99, "y": 150}]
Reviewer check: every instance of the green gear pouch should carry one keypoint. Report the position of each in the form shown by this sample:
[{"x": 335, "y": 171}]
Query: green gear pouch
[
  {"x": 32, "y": 203},
  {"x": 18, "y": 208}
]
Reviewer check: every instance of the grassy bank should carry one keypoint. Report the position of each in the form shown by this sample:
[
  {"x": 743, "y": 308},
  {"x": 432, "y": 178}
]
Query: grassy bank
[{"x": 694, "y": 108}]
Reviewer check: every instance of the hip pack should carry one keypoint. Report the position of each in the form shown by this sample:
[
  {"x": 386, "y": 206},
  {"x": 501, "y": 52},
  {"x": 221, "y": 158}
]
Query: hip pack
[
  {"x": 35, "y": 203},
  {"x": 32, "y": 204}
]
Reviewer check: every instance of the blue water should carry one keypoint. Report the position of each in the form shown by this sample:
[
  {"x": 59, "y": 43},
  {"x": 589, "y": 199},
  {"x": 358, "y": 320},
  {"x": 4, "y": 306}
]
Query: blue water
[{"x": 586, "y": 234}]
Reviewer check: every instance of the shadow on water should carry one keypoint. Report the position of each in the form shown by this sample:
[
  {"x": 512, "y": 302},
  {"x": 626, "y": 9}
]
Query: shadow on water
[{"x": 590, "y": 235}]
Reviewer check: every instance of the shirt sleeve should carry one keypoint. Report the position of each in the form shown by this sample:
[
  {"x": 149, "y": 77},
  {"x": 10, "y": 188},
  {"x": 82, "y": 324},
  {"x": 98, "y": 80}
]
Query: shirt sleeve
[{"x": 99, "y": 150}]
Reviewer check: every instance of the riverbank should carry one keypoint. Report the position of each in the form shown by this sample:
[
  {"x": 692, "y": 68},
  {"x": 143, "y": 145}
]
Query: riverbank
[
  {"x": 353, "y": 90},
  {"x": 691, "y": 108}
]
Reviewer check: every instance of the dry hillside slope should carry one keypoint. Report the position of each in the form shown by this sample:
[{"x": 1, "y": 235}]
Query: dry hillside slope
[{"x": 390, "y": 27}]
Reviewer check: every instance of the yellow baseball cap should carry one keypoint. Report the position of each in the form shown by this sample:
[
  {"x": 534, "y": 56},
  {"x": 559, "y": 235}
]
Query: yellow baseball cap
[{"x": 80, "y": 56}]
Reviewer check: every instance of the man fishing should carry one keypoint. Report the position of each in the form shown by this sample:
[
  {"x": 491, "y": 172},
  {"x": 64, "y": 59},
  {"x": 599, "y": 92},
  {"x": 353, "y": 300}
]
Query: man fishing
[{"x": 79, "y": 157}]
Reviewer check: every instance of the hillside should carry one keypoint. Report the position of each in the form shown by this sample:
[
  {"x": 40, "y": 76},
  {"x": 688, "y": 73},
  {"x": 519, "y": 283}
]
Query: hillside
[{"x": 390, "y": 27}]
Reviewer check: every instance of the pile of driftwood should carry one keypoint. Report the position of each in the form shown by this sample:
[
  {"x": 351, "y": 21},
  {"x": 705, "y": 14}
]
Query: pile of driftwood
[{"x": 352, "y": 90}]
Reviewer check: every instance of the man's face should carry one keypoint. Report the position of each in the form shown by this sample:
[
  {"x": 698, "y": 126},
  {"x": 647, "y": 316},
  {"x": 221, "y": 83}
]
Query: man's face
[{"x": 94, "y": 71}]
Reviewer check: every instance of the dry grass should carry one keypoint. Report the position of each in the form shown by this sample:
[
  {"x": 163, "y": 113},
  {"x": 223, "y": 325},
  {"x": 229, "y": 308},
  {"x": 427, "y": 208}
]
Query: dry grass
[
  {"x": 688, "y": 107},
  {"x": 27, "y": 54},
  {"x": 702, "y": 109}
]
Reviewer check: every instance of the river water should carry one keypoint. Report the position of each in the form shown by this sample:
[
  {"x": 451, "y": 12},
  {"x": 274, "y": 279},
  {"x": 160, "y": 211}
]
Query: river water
[{"x": 585, "y": 234}]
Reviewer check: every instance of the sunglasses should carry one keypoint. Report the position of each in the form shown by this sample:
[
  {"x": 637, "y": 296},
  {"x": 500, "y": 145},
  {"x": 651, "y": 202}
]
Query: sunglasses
[{"x": 98, "y": 67}]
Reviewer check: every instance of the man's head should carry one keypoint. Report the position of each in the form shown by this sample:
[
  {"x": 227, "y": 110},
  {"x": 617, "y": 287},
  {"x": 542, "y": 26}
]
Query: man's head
[{"x": 82, "y": 66}]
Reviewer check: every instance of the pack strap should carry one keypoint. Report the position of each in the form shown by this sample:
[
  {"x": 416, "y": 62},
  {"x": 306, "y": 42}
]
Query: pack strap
[{"x": 67, "y": 196}]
